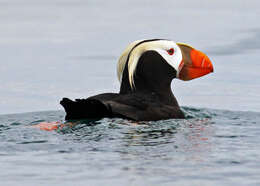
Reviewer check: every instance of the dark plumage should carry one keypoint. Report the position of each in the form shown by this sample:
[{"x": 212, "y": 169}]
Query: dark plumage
[{"x": 149, "y": 99}]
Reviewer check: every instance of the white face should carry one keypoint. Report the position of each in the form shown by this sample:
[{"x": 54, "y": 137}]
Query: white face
[{"x": 169, "y": 50}]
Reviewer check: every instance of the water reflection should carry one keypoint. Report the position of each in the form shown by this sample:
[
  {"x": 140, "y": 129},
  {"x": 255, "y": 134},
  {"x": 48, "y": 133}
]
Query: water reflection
[
  {"x": 171, "y": 140},
  {"x": 150, "y": 135},
  {"x": 198, "y": 138},
  {"x": 190, "y": 139}
]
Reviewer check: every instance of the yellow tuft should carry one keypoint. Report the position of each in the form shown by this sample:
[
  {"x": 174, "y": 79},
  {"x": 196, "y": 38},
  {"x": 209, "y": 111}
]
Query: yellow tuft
[
  {"x": 136, "y": 53},
  {"x": 134, "y": 58},
  {"x": 122, "y": 60}
]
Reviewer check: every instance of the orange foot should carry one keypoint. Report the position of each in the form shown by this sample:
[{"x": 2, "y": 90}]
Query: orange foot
[{"x": 49, "y": 126}]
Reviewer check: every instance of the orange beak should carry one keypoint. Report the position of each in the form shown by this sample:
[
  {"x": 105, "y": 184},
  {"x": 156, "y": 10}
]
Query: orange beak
[{"x": 198, "y": 66}]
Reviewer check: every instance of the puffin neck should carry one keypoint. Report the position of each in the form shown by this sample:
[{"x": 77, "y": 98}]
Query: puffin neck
[{"x": 153, "y": 75}]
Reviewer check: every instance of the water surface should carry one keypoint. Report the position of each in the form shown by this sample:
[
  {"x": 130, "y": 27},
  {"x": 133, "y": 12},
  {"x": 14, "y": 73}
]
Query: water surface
[{"x": 210, "y": 147}]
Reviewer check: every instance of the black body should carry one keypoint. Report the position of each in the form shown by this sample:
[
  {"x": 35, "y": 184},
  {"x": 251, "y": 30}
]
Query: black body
[{"x": 150, "y": 99}]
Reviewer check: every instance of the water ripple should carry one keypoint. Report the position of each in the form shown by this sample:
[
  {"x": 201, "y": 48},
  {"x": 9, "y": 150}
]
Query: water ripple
[{"x": 195, "y": 148}]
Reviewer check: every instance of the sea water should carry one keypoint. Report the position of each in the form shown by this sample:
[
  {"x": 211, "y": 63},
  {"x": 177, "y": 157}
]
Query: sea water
[{"x": 210, "y": 147}]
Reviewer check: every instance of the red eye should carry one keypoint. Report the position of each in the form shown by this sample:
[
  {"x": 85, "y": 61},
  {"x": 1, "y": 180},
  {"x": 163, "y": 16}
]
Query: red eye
[{"x": 170, "y": 51}]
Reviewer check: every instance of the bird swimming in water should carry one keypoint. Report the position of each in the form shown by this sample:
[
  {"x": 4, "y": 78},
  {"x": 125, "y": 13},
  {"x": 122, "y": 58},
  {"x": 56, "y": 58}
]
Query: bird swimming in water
[{"x": 145, "y": 70}]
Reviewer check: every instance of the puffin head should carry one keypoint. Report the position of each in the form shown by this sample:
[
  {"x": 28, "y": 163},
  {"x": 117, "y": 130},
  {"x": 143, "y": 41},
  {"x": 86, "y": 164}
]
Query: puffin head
[{"x": 183, "y": 61}]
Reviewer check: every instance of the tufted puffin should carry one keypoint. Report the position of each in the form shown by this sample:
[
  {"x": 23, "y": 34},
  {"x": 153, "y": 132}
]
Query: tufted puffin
[{"x": 145, "y": 70}]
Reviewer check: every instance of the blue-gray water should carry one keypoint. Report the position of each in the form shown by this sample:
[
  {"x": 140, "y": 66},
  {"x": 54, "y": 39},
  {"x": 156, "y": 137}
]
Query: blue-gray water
[
  {"x": 51, "y": 49},
  {"x": 211, "y": 147}
]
